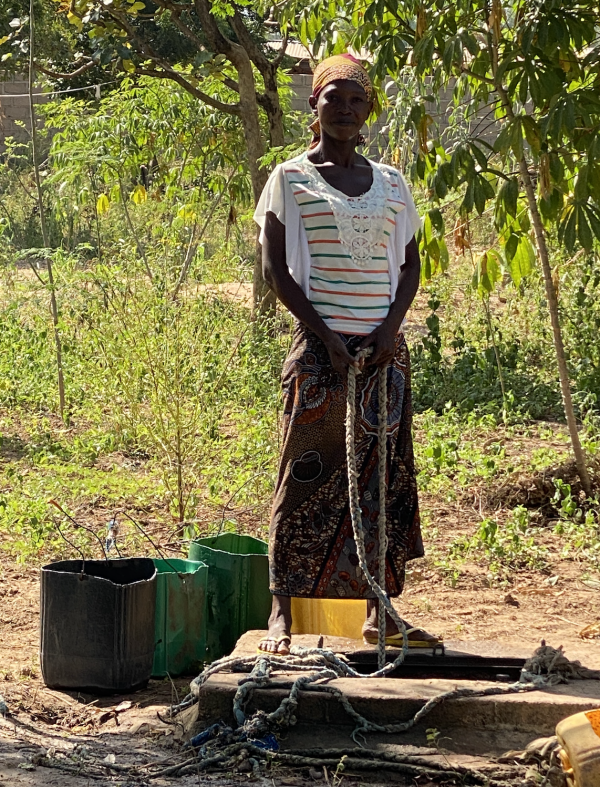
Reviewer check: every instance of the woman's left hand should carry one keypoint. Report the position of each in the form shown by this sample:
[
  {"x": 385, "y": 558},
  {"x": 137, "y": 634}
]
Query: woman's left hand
[{"x": 383, "y": 342}]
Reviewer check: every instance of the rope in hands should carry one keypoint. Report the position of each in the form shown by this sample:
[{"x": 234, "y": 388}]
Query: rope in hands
[{"x": 385, "y": 604}]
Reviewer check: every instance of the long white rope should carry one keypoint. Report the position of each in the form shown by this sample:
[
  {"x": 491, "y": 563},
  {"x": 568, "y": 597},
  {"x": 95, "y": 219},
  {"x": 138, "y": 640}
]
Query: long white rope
[
  {"x": 324, "y": 662},
  {"x": 326, "y": 665},
  {"x": 378, "y": 588}
]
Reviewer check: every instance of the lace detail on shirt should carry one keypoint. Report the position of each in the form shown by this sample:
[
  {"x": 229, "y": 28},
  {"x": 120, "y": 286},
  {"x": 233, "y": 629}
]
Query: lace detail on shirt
[{"x": 360, "y": 220}]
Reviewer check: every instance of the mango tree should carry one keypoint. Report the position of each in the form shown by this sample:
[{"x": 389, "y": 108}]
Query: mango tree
[
  {"x": 528, "y": 73},
  {"x": 190, "y": 43},
  {"x": 56, "y": 40}
]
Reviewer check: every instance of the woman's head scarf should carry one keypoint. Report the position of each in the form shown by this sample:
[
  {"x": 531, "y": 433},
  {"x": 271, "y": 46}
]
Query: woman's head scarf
[
  {"x": 331, "y": 69},
  {"x": 341, "y": 67}
]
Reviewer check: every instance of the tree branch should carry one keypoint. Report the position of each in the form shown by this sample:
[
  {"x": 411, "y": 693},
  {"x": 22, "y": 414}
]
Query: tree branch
[
  {"x": 281, "y": 54},
  {"x": 57, "y": 75},
  {"x": 34, "y": 269},
  {"x": 195, "y": 241},
  {"x": 179, "y": 8},
  {"x": 230, "y": 109},
  {"x": 231, "y": 84},
  {"x": 144, "y": 48},
  {"x": 263, "y": 100},
  {"x": 141, "y": 45},
  {"x": 258, "y": 57},
  {"x": 187, "y": 31},
  {"x": 215, "y": 37},
  {"x": 480, "y": 77}
]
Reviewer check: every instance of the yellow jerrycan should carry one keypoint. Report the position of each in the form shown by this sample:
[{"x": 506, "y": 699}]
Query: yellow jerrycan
[
  {"x": 579, "y": 737},
  {"x": 329, "y": 616}
]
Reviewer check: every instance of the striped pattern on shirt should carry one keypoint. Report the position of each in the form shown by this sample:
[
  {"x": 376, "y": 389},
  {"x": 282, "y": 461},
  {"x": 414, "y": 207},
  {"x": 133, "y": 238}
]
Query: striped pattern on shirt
[{"x": 350, "y": 299}]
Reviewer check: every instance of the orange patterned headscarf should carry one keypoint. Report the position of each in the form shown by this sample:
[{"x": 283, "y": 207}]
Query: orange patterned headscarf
[
  {"x": 341, "y": 67},
  {"x": 329, "y": 70}
]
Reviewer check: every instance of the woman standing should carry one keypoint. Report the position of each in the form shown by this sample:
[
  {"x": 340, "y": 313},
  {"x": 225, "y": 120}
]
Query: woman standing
[{"x": 339, "y": 251}]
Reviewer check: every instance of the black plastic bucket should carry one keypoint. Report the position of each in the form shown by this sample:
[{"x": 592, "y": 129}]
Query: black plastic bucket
[{"x": 97, "y": 624}]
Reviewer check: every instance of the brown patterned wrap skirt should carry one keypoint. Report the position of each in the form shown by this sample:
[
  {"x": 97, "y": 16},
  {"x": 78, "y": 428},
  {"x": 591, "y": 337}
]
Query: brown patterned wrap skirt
[{"x": 311, "y": 547}]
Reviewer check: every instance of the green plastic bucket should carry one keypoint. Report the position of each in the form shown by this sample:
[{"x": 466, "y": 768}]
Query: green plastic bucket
[
  {"x": 238, "y": 588},
  {"x": 180, "y": 621}
]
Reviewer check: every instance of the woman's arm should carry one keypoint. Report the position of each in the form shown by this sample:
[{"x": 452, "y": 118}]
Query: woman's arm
[
  {"x": 279, "y": 279},
  {"x": 383, "y": 338}
]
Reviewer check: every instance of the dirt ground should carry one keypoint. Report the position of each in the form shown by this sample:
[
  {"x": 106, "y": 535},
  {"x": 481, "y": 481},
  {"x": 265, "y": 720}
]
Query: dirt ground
[
  {"x": 555, "y": 605},
  {"x": 92, "y": 737}
]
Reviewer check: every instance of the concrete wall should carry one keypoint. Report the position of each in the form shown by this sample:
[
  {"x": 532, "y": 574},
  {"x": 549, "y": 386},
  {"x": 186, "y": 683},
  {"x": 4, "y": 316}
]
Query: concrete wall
[
  {"x": 302, "y": 87},
  {"x": 14, "y": 107}
]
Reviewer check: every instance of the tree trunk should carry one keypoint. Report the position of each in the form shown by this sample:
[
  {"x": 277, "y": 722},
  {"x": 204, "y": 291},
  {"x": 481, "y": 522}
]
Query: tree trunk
[
  {"x": 263, "y": 298},
  {"x": 565, "y": 383},
  {"x": 551, "y": 297},
  {"x": 273, "y": 109}
]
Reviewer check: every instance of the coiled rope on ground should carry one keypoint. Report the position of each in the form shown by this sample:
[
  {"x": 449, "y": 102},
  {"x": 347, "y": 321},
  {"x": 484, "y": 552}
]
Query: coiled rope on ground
[{"x": 222, "y": 747}]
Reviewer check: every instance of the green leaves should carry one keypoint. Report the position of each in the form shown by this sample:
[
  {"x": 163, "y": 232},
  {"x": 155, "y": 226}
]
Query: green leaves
[
  {"x": 479, "y": 191},
  {"x": 520, "y": 257},
  {"x": 580, "y": 220},
  {"x": 433, "y": 245},
  {"x": 523, "y": 81},
  {"x": 152, "y": 137},
  {"x": 75, "y": 20},
  {"x": 135, "y": 6},
  {"x": 487, "y": 272},
  {"x": 508, "y": 195},
  {"x": 510, "y": 138},
  {"x": 311, "y": 31},
  {"x": 423, "y": 53},
  {"x": 520, "y": 262},
  {"x": 580, "y": 223},
  {"x": 532, "y": 132}
]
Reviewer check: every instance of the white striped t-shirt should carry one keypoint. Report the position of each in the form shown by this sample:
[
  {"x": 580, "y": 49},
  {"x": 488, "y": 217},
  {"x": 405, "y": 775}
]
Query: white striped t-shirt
[
  {"x": 352, "y": 295},
  {"x": 348, "y": 241}
]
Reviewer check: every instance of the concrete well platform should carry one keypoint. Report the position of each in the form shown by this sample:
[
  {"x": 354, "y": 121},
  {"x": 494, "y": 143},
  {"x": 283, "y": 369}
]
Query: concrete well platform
[{"x": 392, "y": 700}]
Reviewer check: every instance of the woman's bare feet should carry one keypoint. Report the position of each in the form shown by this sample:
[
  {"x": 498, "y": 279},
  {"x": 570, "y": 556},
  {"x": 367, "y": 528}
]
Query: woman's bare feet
[
  {"x": 370, "y": 629},
  {"x": 278, "y": 639}
]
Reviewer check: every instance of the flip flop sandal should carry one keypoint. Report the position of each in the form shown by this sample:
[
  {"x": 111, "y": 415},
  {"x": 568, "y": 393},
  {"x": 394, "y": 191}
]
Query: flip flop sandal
[
  {"x": 277, "y": 641},
  {"x": 397, "y": 640}
]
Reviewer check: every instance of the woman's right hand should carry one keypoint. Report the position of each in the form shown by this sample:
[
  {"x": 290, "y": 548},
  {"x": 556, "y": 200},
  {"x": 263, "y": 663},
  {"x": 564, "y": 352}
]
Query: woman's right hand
[{"x": 339, "y": 356}]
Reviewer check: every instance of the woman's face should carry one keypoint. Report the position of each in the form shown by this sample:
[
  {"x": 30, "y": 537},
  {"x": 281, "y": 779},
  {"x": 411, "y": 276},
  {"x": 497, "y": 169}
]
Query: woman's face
[{"x": 342, "y": 108}]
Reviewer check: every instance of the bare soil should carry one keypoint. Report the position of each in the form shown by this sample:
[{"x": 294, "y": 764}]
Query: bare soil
[
  {"x": 73, "y": 739},
  {"x": 516, "y": 607},
  {"x": 77, "y": 732}
]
